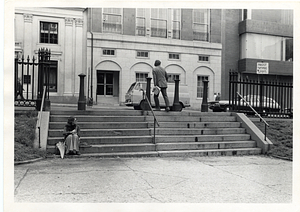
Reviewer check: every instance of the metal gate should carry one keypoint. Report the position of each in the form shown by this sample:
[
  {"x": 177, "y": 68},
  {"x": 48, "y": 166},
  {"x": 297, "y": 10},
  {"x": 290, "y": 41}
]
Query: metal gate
[
  {"x": 268, "y": 98},
  {"x": 30, "y": 78}
]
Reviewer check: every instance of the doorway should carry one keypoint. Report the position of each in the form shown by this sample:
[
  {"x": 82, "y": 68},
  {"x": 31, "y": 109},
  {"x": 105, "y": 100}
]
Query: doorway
[{"x": 107, "y": 87}]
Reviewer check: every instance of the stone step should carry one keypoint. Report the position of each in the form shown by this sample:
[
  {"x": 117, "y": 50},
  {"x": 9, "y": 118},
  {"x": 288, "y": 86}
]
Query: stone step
[
  {"x": 189, "y": 124},
  {"x": 105, "y": 132},
  {"x": 201, "y": 138},
  {"x": 194, "y": 131},
  {"x": 107, "y": 140},
  {"x": 99, "y": 112},
  {"x": 210, "y": 152},
  {"x": 178, "y": 153},
  {"x": 205, "y": 145},
  {"x": 192, "y": 119},
  {"x": 102, "y": 125},
  {"x": 82, "y": 118}
]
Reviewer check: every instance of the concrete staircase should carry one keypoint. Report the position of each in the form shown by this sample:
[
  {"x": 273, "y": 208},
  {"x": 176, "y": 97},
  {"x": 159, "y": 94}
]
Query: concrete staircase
[{"x": 126, "y": 132}]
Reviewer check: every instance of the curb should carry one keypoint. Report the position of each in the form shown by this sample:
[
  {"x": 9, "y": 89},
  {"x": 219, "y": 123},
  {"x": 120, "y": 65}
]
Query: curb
[{"x": 27, "y": 161}]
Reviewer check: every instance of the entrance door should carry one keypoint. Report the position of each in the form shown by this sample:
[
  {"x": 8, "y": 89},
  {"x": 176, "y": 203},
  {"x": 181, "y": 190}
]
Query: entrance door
[{"x": 105, "y": 84}]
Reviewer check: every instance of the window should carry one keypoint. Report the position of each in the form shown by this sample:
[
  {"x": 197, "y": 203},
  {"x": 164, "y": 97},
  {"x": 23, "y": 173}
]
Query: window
[
  {"x": 52, "y": 77},
  {"x": 143, "y": 54},
  {"x": 159, "y": 23},
  {"x": 200, "y": 86},
  {"x": 176, "y": 24},
  {"x": 112, "y": 20},
  {"x": 140, "y": 22},
  {"x": 108, "y": 52},
  {"x": 173, "y": 56},
  {"x": 173, "y": 77},
  {"x": 141, "y": 77},
  {"x": 200, "y": 24},
  {"x": 203, "y": 58},
  {"x": 289, "y": 50},
  {"x": 48, "y": 32}
]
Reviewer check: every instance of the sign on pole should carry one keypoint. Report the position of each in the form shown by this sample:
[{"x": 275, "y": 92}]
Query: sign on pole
[{"x": 262, "y": 68}]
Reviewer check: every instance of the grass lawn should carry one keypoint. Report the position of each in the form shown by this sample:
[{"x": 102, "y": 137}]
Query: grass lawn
[
  {"x": 280, "y": 132},
  {"x": 24, "y": 137}
]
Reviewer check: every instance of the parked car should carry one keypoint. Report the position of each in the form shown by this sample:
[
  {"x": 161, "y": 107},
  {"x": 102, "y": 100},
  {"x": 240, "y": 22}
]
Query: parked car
[
  {"x": 134, "y": 96},
  {"x": 268, "y": 104}
]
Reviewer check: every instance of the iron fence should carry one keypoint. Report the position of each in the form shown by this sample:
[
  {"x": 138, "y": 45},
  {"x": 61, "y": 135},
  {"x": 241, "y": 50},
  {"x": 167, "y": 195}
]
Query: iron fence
[
  {"x": 268, "y": 98},
  {"x": 30, "y": 77}
]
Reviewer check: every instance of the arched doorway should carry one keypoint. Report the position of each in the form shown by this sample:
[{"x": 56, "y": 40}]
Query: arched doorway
[{"x": 107, "y": 79}]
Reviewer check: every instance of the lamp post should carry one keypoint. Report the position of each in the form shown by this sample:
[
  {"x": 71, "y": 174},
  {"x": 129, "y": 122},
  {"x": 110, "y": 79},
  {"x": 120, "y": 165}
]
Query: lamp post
[{"x": 176, "y": 105}]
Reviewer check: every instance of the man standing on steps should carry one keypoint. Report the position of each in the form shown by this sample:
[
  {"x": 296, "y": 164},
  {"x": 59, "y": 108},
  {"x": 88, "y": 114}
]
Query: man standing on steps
[{"x": 160, "y": 79}]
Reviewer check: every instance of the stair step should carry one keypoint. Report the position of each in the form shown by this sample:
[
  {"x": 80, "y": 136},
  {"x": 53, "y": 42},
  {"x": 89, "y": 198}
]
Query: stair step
[
  {"x": 105, "y": 132},
  {"x": 189, "y": 124},
  {"x": 55, "y": 118},
  {"x": 211, "y": 152},
  {"x": 192, "y": 119},
  {"x": 116, "y": 112},
  {"x": 181, "y": 153},
  {"x": 203, "y": 131},
  {"x": 107, "y": 140},
  {"x": 102, "y": 125},
  {"x": 205, "y": 145},
  {"x": 200, "y": 138}
]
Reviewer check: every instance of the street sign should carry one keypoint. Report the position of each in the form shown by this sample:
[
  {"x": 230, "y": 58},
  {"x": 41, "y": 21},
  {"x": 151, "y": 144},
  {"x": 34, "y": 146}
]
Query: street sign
[{"x": 262, "y": 68}]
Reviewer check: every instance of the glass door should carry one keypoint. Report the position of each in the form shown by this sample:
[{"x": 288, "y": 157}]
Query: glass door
[{"x": 105, "y": 83}]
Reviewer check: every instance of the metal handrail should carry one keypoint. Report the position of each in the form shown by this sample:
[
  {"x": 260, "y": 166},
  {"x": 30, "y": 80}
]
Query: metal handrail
[
  {"x": 155, "y": 120},
  {"x": 256, "y": 113},
  {"x": 40, "y": 116}
]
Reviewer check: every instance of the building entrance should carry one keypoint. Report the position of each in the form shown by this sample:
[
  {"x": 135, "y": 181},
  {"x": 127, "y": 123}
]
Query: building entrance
[{"x": 107, "y": 87}]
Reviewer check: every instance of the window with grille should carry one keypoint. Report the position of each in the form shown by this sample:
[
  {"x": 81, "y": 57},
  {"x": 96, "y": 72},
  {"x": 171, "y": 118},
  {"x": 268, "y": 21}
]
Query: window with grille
[
  {"x": 143, "y": 54},
  {"x": 159, "y": 22},
  {"x": 48, "y": 32},
  {"x": 140, "y": 22},
  {"x": 201, "y": 24},
  {"x": 173, "y": 77},
  {"x": 112, "y": 20},
  {"x": 108, "y": 52},
  {"x": 51, "y": 77},
  {"x": 176, "y": 23},
  {"x": 203, "y": 58},
  {"x": 200, "y": 86},
  {"x": 174, "y": 56},
  {"x": 141, "y": 77}
]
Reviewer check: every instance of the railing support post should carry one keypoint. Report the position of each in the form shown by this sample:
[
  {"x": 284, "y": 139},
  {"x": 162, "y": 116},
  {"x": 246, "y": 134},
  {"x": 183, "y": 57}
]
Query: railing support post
[
  {"x": 81, "y": 100},
  {"x": 176, "y": 105},
  {"x": 204, "y": 105}
]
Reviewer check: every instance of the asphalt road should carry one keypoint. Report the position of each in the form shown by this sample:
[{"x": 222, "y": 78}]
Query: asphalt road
[{"x": 239, "y": 179}]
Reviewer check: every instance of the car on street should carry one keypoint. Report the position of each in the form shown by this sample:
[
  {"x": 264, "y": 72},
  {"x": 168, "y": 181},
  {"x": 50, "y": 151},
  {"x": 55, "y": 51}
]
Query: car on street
[
  {"x": 267, "y": 104},
  {"x": 135, "y": 96}
]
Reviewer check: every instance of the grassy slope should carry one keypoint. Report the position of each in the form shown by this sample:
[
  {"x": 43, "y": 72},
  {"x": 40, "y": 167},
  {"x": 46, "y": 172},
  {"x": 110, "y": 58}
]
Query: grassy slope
[
  {"x": 24, "y": 137},
  {"x": 280, "y": 132}
]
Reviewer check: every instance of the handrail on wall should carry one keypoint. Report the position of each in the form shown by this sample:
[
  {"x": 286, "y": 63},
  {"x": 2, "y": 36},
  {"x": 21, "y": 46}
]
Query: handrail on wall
[
  {"x": 256, "y": 113},
  {"x": 155, "y": 120},
  {"x": 40, "y": 116}
]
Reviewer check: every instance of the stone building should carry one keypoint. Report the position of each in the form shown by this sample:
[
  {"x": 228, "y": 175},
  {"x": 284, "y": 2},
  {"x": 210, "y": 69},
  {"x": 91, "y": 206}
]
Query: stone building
[{"x": 115, "y": 47}]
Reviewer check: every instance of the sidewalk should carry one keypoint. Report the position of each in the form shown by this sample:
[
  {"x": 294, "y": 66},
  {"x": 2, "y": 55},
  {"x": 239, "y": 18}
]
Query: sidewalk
[{"x": 240, "y": 179}]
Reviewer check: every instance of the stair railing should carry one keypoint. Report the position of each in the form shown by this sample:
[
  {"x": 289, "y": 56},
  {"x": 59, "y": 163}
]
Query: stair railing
[
  {"x": 154, "y": 117},
  {"x": 40, "y": 116},
  {"x": 256, "y": 113}
]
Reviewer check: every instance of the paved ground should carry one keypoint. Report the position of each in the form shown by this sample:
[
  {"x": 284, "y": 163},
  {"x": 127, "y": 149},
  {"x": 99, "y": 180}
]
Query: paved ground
[{"x": 239, "y": 179}]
